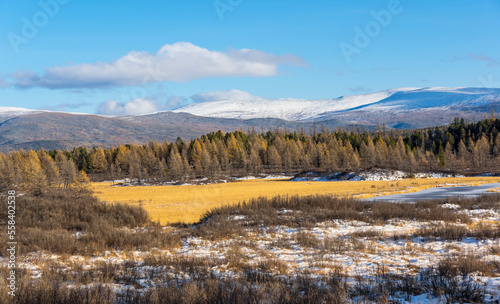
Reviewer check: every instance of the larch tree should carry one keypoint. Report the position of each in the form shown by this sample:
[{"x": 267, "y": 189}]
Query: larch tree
[
  {"x": 49, "y": 168},
  {"x": 99, "y": 162},
  {"x": 205, "y": 163},
  {"x": 82, "y": 181},
  {"x": 7, "y": 173},
  {"x": 463, "y": 156},
  {"x": 33, "y": 177},
  {"x": 274, "y": 159},
  {"x": 483, "y": 152},
  {"x": 196, "y": 155},
  {"x": 254, "y": 161},
  {"x": 60, "y": 158},
  {"x": 68, "y": 173}
]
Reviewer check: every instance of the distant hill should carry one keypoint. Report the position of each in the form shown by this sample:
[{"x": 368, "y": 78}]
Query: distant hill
[
  {"x": 55, "y": 130},
  {"x": 399, "y": 108}
]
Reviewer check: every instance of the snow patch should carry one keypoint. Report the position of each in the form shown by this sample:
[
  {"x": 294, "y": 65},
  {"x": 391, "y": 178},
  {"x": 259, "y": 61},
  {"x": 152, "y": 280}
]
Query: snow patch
[{"x": 367, "y": 176}]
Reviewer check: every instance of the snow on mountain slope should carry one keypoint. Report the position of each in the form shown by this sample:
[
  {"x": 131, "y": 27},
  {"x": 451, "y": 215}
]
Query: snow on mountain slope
[
  {"x": 299, "y": 109},
  {"x": 428, "y": 98},
  {"x": 351, "y": 108},
  {"x": 288, "y": 109},
  {"x": 14, "y": 111}
]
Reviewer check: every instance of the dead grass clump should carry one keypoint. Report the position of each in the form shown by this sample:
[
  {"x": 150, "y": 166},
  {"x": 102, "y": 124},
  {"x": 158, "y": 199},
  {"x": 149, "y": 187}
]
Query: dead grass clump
[
  {"x": 335, "y": 245},
  {"x": 443, "y": 231},
  {"x": 495, "y": 249},
  {"x": 370, "y": 234},
  {"x": 451, "y": 280},
  {"x": 456, "y": 232},
  {"x": 466, "y": 264},
  {"x": 273, "y": 266},
  {"x": 490, "y": 201},
  {"x": 308, "y": 240},
  {"x": 236, "y": 259},
  {"x": 217, "y": 227}
]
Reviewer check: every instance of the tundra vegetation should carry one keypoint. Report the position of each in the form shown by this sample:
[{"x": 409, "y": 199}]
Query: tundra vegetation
[{"x": 293, "y": 249}]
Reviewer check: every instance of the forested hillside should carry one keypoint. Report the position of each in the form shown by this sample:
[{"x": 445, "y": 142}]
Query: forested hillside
[{"x": 460, "y": 147}]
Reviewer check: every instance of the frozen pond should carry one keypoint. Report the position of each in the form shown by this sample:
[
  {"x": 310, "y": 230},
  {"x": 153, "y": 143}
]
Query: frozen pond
[{"x": 437, "y": 193}]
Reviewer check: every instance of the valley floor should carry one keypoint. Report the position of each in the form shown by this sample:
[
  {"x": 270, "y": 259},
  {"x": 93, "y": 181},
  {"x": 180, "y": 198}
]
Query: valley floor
[{"x": 188, "y": 203}]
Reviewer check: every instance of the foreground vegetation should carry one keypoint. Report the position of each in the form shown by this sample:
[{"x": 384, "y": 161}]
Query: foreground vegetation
[
  {"x": 188, "y": 203},
  {"x": 284, "y": 249}
]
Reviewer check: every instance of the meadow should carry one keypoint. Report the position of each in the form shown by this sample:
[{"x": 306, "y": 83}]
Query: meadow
[{"x": 187, "y": 204}]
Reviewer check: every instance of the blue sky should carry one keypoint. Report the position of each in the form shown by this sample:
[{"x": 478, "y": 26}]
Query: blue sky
[{"x": 136, "y": 56}]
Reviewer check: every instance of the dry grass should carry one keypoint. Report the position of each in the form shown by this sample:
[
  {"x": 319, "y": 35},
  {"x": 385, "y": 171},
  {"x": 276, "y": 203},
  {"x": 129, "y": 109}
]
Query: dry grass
[{"x": 187, "y": 204}]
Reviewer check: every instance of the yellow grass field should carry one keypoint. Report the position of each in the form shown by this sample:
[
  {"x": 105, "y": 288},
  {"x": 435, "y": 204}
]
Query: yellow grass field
[{"x": 188, "y": 204}]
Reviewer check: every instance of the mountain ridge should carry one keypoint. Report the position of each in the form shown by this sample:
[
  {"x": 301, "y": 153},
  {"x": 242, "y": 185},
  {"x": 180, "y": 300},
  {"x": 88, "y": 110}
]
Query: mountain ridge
[
  {"x": 306, "y": 110},
  {"x": 406, "y": 108}
]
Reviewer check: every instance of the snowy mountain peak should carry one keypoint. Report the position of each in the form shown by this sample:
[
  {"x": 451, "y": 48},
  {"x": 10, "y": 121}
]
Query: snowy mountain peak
[{"x": 301, "y": 109}]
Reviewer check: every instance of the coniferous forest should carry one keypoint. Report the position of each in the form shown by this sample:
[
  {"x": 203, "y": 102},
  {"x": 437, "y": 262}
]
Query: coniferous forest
[{"x": 460, "y": 147}]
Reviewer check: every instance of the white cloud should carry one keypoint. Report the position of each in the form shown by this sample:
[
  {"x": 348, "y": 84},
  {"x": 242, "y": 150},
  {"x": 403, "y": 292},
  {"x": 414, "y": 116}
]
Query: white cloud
[
  {"x": 151, "y": 104},
  {"x": 133, "y": 107},
  {"x": 181, "y": 61},
  {"x": 232, "y": 95}
]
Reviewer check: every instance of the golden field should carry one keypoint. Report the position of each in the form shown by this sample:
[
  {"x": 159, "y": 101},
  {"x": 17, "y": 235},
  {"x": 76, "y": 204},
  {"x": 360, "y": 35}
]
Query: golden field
[{"x": 189, "y": 203}]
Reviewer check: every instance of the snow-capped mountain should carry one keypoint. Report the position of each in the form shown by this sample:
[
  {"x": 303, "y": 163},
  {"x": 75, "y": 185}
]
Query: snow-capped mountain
[
  {"x": 396, "y": 100},
  {"x": 399, "y": 108}
]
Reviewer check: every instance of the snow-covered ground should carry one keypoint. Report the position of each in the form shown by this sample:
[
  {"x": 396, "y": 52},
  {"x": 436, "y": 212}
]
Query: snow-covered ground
[
  {"x": 376, "y": 175},
  {"x": 359, "y": 249},
  {"x": 264, "y": 176}
]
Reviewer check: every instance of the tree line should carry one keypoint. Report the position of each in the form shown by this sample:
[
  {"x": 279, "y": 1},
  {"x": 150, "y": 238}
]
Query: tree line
[
  {"x": 38, "y": 171},
  {"x": 461, "y": 146}
]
